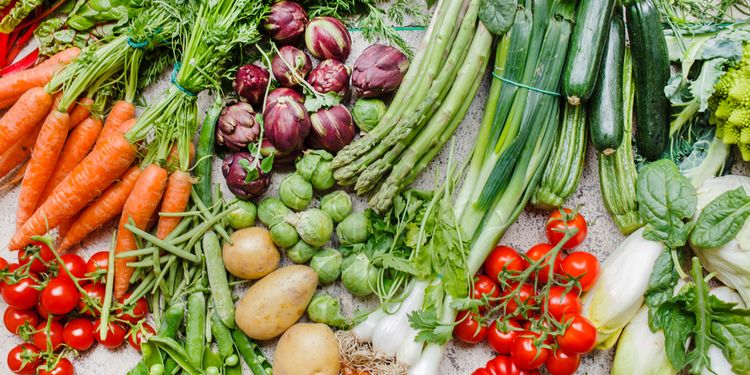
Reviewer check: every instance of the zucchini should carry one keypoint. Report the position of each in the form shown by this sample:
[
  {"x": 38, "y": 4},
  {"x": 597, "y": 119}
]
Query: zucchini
[
  {"x": 617, "y": 172},
  {"x": 651, "y": 75},
  {"x": 586, "y": 47},
  {"x": 605, "y": 107},
  {"x": 565, "y": 165}
]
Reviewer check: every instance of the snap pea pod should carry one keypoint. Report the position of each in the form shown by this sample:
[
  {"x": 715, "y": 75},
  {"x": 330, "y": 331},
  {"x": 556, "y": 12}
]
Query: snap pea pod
[
  {"x": 195, "y": 340},
  {"x": 221, "y": 294},
  {"x": 222, "y": 336},
  {"x": 212, "y": 362},
  {"x": 205, "y": 150},
  {"x": 251, "y": 353},
  {"x": 151, "y": 355},
  {"x": 176, "y": 352},
  {"x": 171, "y": 366},
  {"x": 139, "y": 369},
  {"x": 172, "y": 320}
]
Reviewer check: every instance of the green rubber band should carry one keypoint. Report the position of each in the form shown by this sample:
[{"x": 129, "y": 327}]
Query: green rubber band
[
  {"x": 399, "y": 28},
  {"x": 519, "y": 84},
  {"x": 176, "y": 69},
  {"x": 137, "y": 45}
]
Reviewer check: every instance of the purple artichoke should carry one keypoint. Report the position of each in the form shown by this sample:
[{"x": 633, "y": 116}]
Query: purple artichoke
[
  {"x": 251, "y": 82},
  {"x": 330, "y": 76},
  {"x": 294, "y": 58},
  {"x": 286, "y": 22},
  {"x": 236, "y": 168},
  {"x": 332, "y": 129},
  {"x": 286, "y": 123},
  {"x": 378, "y": 70},
  {"x": 328, "y": 38},
  {"x": 284, "y": 91},
  {"x": 237, "y": 126}
]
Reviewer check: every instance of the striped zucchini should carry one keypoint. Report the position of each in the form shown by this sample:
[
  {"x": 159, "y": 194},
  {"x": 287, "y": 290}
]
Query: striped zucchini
[
  {"x": 565, "y": 165},
  {"x": 617, "y": 173}
]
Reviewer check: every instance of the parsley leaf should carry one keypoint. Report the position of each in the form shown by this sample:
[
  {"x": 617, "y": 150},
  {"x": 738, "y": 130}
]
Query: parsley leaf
[{"x": 429, "y": 327}]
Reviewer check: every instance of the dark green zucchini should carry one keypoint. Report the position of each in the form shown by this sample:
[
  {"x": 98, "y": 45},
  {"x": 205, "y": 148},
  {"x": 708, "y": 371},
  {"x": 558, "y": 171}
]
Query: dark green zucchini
[
  {"x": 586, "y": 47},
  {"x": 605, "y": 106},
  {"x": 651, "y": 74}
]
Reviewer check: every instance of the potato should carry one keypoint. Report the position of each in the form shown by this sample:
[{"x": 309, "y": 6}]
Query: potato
[
  {"x": 276, "y": 302},
  {"x": 251, "y": 255},
  {"x": 307, "y": 349}
]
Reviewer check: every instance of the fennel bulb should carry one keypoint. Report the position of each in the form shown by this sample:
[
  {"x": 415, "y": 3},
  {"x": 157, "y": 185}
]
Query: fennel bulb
[
  {"x": 616, "y": 297},
  {"x": 641, "y": 351}
]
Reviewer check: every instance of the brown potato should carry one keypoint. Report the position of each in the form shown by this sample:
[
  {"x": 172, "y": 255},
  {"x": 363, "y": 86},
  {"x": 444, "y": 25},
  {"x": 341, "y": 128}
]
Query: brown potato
[
  {"x": 251, "y": 255},
  {"x": 307, "y": 349}
]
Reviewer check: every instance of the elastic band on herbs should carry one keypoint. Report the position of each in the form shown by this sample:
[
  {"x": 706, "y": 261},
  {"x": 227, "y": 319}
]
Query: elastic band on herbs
[
  {"x": 398, "y": 28},
  {"x": 176, "y": 69},
  {"x": 519, "y": 84},
  {"x": 137, "y": 45}
]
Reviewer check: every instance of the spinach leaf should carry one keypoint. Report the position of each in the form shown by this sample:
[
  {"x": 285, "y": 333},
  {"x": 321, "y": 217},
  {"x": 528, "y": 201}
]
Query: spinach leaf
[
  {"x": 666, "y": 200},
  {"x": 678, "y": 325},
  {"x": 497, "y": 15},
  {"x": 731, "y": 327},
  {"x": 721, "y": 220},
  {"x": 661, "y": 283}
]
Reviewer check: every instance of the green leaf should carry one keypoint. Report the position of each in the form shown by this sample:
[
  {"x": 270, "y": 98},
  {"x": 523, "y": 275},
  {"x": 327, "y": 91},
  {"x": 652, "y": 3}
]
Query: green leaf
[
  {"x": 315, "y": 102},
  {"x": 678, "y": 325},
  {"x": 666, "y": 201},
  {"x": 732, "y": 329},
  {"x": 497, "y": 15},
  {"x": 429, "y": 327},
  {"x": 661, "y": 283},
  {"x": 703, "y": 87},
  {"x": 267, "y": 164},
  {"x": 721, "y": 220}
]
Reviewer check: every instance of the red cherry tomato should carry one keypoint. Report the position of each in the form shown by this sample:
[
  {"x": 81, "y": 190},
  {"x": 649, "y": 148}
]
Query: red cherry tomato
[
  {"x": 114, "y": 337},
  {"x": 136, "y": 312},
  {"x": 41, "y": 249},
  {"x": 62, "y": 367},
  {"x": 561, "y": 363},
  {"x": 482, "y": 371},
  {"x": 468, "y": 328},
  {"x": 136, "y": 337},
  {"x": 524, "y": 295},
  {"x": 23, "y": 359},
  {"x": 503, "y": 258},
  {"x": 484, "y": 286},
  {"x": 538, "y": 252},
  {"x": 3, "y": 264},
  {"x": 501, "y": 365},
  {"x": 501, "y": 334},
  {"x": 15, "y": 319},
  {"x": 79, "y": 334},
  {"x": 94, "y": 295},
  {"x": 562, "y": 303},
  {"x": 73, "y": 263},
  {"x": 584, "y": 267},
  {"x": 557, "y": 225},
  {"x": 98, "y": 264},
  {"x": 60, "y": 296},
  {"x": 44, "y": 314},
  {"x": 527, "y": 353},
  {"x": 21, "y": 295},
  {"x": 55, "y": 335},
  {"x": 579, "y": 336}
]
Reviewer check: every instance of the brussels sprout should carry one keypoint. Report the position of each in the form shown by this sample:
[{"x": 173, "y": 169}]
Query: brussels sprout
[
  {"x": 327, "y": 263},
  {"x": 284, "y": 235},
  {"x": 322, "y": 179},
  {"x": 314, "y": 226},
  {"x": 243, "y": 215},
  {"x": 327, "y": 310},
  {"x": 295, "y": 192},
  {"x": 368, "y": 112},
  {"x": 272, "y": 211},
  {"x": 307, "y": 164},
  {"x": 301, "y": 252},
  {"x": 338, "y": 205},
  {"x": 359, "y": 276},
  {"x": 354, "y": 229}
]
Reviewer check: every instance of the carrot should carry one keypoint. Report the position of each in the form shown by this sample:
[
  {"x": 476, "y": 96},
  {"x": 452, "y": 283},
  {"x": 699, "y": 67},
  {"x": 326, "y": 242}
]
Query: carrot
[
  {"x": 176, "y": 198},
  {"x": 64, "y": 227},
  {"x": 80, "y": 112},
  {"x": 104, "y": 209},
  {"x": 121, "y": 112},
  {"x": 63, "y": 57},
  {"x": 16, "y": 154},
  {"x": 42, "y": 163},
  {"x": 5, "y": 103},
  {"x": 77, "y": 146},
  {"x": 141, "y": 204},
  {"x": 96, "y": 172},
  {"x": 14, "y": 179},
  {"x": 15, "y": 84},
  {"x": 30, "y": 109}
]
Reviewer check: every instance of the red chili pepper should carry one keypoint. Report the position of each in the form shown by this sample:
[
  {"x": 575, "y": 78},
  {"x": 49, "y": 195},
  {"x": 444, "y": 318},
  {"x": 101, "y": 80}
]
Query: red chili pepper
[{"x": 25, "y": 63}]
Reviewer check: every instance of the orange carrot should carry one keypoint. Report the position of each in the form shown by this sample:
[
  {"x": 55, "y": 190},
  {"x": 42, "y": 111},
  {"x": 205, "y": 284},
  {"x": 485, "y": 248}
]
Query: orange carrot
[
  {"x": 5, "y": 103},
  {"x": 20, "y": 151},
  {"x": 80, "y": 112},
  {"x": 85, "y": 182},
  {"x": 30, "y": 109},
  {"x": 63, "y": 57},
  {"x": 173, "y": 159},
  {"x": 121, "y": 112},
  {"x": 77, "y": 146},
  {"x": 104, "y": 209},
  {"x": 42, "y": 164},
  {"x": 63, "y": 228},
  {"x": 15, "y": 84},
  {"x": 176, "y": 198},
  {"x": 141, "y": 204}
]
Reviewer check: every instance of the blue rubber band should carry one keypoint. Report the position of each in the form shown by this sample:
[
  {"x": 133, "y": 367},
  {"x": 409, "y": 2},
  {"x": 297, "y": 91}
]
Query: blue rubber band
[
  {"x": 514, "y": 83},
  {"x": 138, "y": 45},
  {"x": 176, "y": 69}
]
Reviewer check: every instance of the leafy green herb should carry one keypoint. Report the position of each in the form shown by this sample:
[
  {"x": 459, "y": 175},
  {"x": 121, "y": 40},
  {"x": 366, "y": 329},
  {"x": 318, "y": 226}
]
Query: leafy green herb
[
  {"x": 721, "y": 220},
  {"x": 427, "y": 323},
  {"x": 317, "y": 101},
  {"x": 662, "y": 281},
  {"x": 497, "y": 15}
]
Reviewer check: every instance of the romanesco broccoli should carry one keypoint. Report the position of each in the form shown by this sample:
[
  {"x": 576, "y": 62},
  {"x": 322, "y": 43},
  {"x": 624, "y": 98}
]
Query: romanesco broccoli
[{"x": 730, "y": 105}]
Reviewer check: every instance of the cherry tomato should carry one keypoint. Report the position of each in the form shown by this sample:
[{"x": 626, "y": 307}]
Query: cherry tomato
[
  {"x": 44, "y": 314},
  {"x": 501, "y": 365},
  {"x": 468, "y": 328},
  {"x": 60, "y": 296},
  {"x": 538, "y": 252},
  {"x": 501, "y": 334},
  {"x": 482, "y": 371},
  {"x": 21, "y": 295},
  {"x": 557, "y": 225},
  {"x": 561, "y": 363},
  {"x": 503, "y": 258},
  {"x": 39, "y": 248},
  {"x": 132, "y": 314},
  {"x": 75, "y": 264},
  {"x": 15, "y": 319},
  {"x": 55, "y": 335},
  {"x": 525, "y": 295},
  {"x": 584, "y": 267},
  {"x": 527, "y": 353},
  {"x": 3, "y": 264},
  {"x": 579, "y": 336},
  {"x": 483, "y": 285},
  {"x": 63, "y": 367},
  {"x": 114, "y": 338},
  {"x": 561, "y": 303},
  {"x": 23, "y": 359},
  {"x": 136, "y": 337},
  {"x": 98, "y": 264},
  {"x": 79, "y": 334},
  {"x": 94, "y": 295}
]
